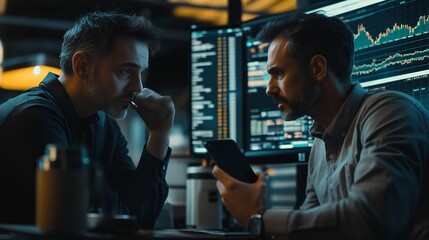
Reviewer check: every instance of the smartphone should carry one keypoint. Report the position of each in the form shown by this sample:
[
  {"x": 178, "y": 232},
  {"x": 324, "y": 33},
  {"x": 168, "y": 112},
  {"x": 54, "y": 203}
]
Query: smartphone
[{"x": 229, "y": 158}]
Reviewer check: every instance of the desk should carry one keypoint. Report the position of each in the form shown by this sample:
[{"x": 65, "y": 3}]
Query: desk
[{"x": 27, "y": 232}]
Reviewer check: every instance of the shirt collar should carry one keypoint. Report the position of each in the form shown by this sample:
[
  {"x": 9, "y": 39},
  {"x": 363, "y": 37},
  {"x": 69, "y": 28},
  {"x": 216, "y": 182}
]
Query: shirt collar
[
  {"x": 53, "y": 85},
  {"x": 337, "y": 129}
]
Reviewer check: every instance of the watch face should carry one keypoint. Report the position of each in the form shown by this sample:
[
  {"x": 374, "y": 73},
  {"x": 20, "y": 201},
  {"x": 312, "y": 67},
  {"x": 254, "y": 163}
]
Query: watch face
[{"x": 256, "y": 225}]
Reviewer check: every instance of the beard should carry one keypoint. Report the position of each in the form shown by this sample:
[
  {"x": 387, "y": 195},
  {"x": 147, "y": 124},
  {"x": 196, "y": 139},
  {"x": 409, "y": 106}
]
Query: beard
[
  {"x": 309, "y": 97},
  {"x": 98, "y": 94},
  {"x": 116, "y": 112}
]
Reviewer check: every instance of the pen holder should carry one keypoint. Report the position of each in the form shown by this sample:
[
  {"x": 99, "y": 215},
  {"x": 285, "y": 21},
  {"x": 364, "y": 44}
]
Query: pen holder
[{"x": 62, "y": 190}]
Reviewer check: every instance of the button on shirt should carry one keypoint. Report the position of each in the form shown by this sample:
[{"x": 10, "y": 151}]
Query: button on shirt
[{"x": 368, "y": 173}]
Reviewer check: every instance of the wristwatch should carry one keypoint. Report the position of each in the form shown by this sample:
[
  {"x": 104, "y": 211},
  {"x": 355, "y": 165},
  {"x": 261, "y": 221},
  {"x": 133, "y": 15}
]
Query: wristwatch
[{"x": 256, "y": 224}]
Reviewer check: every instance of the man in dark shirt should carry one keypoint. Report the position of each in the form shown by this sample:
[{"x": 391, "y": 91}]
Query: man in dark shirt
[{"x": 104, "y": 58}]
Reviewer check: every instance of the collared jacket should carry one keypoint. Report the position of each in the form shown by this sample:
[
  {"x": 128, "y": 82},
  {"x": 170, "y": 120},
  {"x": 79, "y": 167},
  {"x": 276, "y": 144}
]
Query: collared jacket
[{"x": 368, "y": 173}]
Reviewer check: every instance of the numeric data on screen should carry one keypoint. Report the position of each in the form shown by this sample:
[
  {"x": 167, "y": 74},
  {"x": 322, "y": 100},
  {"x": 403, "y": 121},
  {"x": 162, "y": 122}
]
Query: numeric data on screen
[{"x": 216, "y": 86}]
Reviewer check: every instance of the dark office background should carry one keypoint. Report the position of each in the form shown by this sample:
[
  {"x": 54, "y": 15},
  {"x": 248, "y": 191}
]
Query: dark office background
[{"x": 37, "y": 27}]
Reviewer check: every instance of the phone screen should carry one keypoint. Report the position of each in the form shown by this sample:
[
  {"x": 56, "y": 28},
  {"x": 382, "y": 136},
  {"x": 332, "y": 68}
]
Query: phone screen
[{"x": 229, "y": 157}]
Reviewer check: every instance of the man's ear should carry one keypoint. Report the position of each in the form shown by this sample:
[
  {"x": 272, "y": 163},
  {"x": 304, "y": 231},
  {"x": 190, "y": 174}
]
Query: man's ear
[
  {"x": 80, "y": 63},
  {"x": 318, "y": 67}
]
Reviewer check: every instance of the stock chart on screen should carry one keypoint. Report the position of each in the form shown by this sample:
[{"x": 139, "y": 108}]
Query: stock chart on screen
[
  {"x": 392, "y": 47},
  {"x": 229, "y": 76},
  {"x": 391, "y": 53}
]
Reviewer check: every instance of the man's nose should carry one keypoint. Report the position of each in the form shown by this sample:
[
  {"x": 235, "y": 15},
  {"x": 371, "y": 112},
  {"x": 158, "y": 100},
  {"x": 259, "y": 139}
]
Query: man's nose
[
  {"x": 136, "y": 84},
  {"x": 271, "y": 87}
]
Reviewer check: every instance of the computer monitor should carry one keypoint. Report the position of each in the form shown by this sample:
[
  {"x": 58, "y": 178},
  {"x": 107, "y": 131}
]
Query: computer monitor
[
  {"x": 216, "y": 86},
  {"x": 391, "y": 52},
  {"x": 266, "y": 133},
  {"x": 392, "y": 46}
]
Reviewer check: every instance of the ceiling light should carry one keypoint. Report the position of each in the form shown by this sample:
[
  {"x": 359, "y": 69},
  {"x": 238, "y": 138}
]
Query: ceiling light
[
  {"x": 216, "y": 12},
  {"x": 27, "y": 71}
]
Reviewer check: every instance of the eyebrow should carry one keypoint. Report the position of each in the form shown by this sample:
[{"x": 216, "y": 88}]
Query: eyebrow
[
  {"x": 129, "y": 64},
  {"x": 134, "y": 65}
]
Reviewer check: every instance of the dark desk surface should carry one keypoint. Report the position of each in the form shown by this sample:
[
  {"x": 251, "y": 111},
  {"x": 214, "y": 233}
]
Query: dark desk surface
[{"x": 27, "y": 232}]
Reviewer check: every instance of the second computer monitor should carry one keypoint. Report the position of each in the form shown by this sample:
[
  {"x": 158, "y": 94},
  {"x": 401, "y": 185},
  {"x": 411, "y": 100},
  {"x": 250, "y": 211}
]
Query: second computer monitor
[
  {"x": 266, "y": 133},
  {"x": 391, "y": 41},
  {"x": 216, "y": 86}
]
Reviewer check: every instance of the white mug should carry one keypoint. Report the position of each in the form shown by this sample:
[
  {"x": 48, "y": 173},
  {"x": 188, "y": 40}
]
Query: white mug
[{"x": 203, "y": 205}]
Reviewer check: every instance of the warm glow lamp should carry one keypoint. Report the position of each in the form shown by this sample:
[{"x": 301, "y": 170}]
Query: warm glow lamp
[
  {"x": 24, "y": 72},
  {"x": 1, "y": 61}
]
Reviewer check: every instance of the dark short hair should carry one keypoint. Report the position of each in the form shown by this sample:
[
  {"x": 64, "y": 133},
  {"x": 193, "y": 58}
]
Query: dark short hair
[
  {"x": 96, "y": 33},
  {"x": 311, "y": 34}
]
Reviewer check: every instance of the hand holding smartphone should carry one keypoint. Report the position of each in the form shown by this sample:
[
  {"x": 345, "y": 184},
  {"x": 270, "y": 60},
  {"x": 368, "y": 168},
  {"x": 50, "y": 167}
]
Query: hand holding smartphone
[{"x": 229, "y": 158}]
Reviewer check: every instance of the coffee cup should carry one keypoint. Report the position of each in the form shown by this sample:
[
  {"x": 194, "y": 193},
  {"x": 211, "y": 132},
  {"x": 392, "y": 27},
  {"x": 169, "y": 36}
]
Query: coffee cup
[{"x": 62, "y": 190}]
